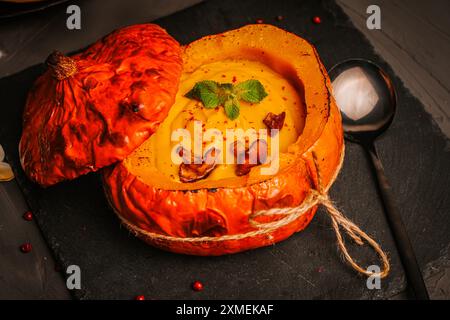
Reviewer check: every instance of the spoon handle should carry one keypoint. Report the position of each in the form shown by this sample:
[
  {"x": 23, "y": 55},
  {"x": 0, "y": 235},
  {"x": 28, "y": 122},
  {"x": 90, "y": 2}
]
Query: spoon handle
[{"x": 405, "y": 249}]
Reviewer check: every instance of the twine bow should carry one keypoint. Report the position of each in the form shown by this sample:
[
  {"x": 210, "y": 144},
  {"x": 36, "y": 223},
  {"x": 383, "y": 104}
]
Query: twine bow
[
  {"x": 338, "y": 221},
  {"x": 314, "y": 197}
]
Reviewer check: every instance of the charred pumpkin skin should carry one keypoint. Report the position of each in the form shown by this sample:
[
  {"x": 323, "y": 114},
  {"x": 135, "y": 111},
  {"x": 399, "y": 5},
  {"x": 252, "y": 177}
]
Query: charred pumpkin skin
[
  {"x": 122, "y": 89},
  {"x": 225, "y": 210}
]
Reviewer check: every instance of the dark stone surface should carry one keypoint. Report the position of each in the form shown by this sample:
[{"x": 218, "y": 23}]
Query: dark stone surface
[
  {"x": 81, "y": 229},
  {"x": 13, "y": 9}
]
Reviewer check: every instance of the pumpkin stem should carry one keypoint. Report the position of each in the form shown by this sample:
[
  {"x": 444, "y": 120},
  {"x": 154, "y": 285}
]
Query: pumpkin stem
[{"x": 61, "y": 66}]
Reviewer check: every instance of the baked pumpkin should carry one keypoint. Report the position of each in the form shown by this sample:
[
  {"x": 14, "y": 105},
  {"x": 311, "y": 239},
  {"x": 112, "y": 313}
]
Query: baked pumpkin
[
  {"x": 94, "y": 108},
  {"x": 153, "y": 195}
]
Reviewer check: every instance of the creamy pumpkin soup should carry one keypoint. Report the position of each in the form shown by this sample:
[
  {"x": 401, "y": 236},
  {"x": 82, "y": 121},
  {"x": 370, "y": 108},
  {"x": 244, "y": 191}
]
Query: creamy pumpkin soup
[{"x": 186, "y": 113}]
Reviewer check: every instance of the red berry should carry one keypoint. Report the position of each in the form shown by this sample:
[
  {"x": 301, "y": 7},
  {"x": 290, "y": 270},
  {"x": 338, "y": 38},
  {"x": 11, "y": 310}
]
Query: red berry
[
  {"x": 26, "y": 247},
  {"x": 259, "y": 21},
  {"x": 317, "y": 20},
  {"x": 197, "y": 286},
  {"x": 28, "y": 216},
  {"x": 140, "y": 297}
]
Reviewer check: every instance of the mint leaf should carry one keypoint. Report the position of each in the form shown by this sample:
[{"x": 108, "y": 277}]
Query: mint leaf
[
  {"x": 250, "y": 91},
  {"x": 213, "y": 94},
  {"x": 207, "y": 92},
  {"x": 231, "y": 107},
  {"x": 194, "y": 93},
  {"x": 225, "y": 91},
  {"x": 226, "y": 87}
]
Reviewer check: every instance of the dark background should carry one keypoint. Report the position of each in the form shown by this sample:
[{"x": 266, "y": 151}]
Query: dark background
[{"x": 80, "y": 228}]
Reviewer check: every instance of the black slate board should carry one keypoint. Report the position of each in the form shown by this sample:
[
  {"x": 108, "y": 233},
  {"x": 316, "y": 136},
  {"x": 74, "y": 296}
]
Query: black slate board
[{"x": 81, "y": 229}]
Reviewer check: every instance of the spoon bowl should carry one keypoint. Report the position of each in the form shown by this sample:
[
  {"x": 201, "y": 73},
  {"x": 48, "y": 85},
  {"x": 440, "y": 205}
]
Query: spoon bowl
[{"x": 366, "y": 97}]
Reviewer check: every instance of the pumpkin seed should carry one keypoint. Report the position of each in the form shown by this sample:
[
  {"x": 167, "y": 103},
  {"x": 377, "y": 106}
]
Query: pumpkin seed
[{"x": 6, "y": 173}]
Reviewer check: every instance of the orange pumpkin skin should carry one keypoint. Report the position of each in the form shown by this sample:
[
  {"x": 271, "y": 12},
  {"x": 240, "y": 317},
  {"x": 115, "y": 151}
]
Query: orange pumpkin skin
[
  {"x": 226, "y": 210},
  {"x": 114, "y": 97}
]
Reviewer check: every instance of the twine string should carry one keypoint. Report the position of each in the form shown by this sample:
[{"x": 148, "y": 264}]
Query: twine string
[
  {"x": 290, "y": 214},
  {"x": 354, "y": 232},
  {"x": 338, "y": 220}
]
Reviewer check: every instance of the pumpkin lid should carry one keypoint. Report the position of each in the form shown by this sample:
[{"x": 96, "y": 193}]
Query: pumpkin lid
[{"x": 93, "y": 109}]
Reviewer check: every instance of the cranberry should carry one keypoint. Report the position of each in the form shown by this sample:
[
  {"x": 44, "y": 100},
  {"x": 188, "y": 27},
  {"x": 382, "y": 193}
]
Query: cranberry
[
  {"x": 26, "y": 247},
  {"x": 197, "y": 286},
  {"x": 28, "y": 216}
]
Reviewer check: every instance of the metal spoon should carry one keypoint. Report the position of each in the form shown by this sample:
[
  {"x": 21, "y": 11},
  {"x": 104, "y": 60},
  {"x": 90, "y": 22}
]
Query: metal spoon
[{"x": 367, "y": 100}]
